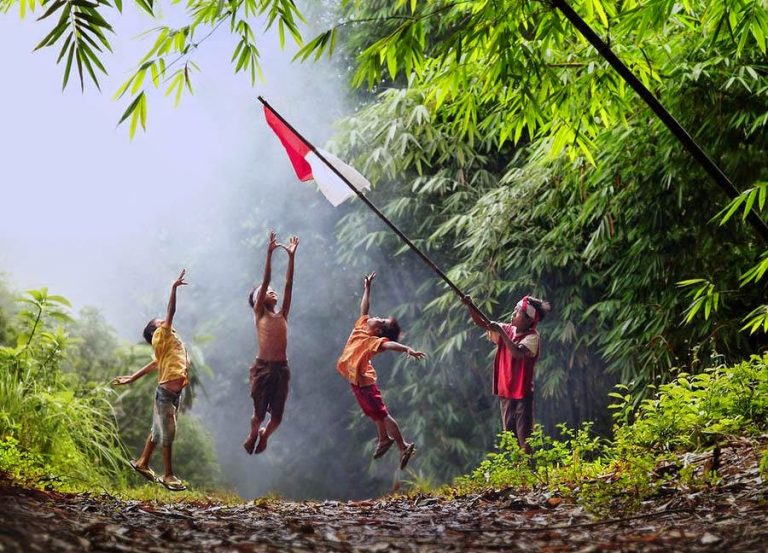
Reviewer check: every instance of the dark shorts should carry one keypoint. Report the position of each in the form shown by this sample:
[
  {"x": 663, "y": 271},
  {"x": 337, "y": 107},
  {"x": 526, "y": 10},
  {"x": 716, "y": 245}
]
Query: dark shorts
[
  {"x": 164, "y": 416},
  {"x": 517, "y": 417},
  {"x": 370, "y": 400},
  {"x": 269, "y": 388}
]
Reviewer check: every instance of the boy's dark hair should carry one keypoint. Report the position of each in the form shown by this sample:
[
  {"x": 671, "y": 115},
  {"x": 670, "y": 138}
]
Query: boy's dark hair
[
  {"x": 253, "y": 293},
  {"x": 149, "y": 330},
  {"x": 391, "y": 329},
  {"x": 542, "y": 307}
]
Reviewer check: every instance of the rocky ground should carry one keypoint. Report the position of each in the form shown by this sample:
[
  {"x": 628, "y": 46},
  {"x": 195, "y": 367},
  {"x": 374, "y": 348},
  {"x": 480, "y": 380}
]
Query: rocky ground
[{"x": 730, "y": 516}]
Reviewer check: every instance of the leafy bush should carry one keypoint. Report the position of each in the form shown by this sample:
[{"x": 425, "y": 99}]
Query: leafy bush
[
  {"x": 696, "y": 411},
  {"x": 693, "y": 412},
  {"x": 48, "y": 422}
]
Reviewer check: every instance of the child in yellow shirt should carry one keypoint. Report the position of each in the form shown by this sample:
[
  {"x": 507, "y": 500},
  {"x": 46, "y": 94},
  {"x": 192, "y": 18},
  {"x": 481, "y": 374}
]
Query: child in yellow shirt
[{"x": 171, "y": 362}]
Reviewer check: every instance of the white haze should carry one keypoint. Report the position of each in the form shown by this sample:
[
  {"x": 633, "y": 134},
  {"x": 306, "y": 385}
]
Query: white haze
[
  {"x": 83, "y": 207},
  {"x": 108, "y": 222}
]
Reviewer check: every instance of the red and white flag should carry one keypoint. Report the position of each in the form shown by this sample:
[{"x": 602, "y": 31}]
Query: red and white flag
[{"x": 308, "y": 165}]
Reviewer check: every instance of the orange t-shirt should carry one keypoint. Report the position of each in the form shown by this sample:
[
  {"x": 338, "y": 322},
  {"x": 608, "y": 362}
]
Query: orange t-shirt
[{"x": 355, "y": 361}]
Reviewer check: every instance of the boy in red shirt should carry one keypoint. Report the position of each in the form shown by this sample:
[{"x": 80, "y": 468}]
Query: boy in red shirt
[
  {"x": 517, "y": 350},
  {"x": 370, "y": 336}
]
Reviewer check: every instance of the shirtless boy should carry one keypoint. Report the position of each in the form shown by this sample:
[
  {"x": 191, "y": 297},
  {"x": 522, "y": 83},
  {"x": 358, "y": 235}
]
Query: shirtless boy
[{"x": 269, "y": 375}]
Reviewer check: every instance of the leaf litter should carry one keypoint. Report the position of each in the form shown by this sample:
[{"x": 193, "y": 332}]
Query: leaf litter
[{"x": 731, "y": 515}]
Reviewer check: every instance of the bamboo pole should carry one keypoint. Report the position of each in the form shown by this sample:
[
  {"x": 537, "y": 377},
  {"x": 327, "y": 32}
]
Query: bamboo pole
[{"x": 672, "y": 124}]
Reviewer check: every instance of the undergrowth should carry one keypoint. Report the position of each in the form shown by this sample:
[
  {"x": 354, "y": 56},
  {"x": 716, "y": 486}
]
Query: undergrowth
[{"x": 693, "y": 413}]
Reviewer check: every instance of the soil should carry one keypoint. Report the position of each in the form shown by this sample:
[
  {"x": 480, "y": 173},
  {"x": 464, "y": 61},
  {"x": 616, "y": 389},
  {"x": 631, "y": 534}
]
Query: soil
[{"x": 731, "y": 515}]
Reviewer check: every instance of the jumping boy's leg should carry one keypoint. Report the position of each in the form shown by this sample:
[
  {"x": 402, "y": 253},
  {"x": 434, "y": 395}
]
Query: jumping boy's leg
[
  {"x": 381, "y": 428},
  {"x": 276, "y": 394},
  {"x": 384, "y": 442},
  {"x": 406, "y": 449},
  {"x": 250, "y": 441},
  {"x": 146, "y": 453},
  {"x": 167, "y": 460},
  {"x": 272, "y": 425},
  {"x": 393, "y": 430}
]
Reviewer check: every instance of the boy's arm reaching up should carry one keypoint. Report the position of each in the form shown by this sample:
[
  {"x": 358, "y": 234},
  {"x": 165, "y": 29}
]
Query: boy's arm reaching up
[
  {"x": 397, "y": 346},
  {"x": 168, "y": 322},
  {"x": 258, "y": 301},
  {"x": 365, "y": 302},
  {"x": 148, "y": 368},
  {"x": 293, "y": 243}
]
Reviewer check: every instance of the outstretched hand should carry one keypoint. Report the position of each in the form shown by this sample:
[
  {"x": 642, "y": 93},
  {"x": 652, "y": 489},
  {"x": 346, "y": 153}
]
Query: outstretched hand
[
  {"x": 367, "y": 279},
  {"x": 293, "y": 243},
  {"x": 272, "y": 244},
  {"x": 120, "y": 380},
  {"x": 180, "y": 280},
  {"x": 410, "y": 352}
]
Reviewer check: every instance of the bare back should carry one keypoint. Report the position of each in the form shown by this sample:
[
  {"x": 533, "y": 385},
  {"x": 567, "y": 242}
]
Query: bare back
[{"x": 272, "y": 334}]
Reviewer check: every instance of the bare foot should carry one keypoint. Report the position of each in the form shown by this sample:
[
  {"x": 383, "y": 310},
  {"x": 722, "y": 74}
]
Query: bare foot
[
  {"x": 249, "y": 444},
  {"x": 262, "y": 441}
]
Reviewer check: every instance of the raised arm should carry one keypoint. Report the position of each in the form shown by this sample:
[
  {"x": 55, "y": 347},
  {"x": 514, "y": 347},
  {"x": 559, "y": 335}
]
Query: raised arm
[
  {"x": 475, "y": 314},
  {"x": 148, "y": 368},
  {"x": 258, "y": 301},
  {"x": 366, "y": 301},
  {"x": 397, "y": 346},
  {"x": 293, "y": 243},
  {"x": 168, "y": 322}
]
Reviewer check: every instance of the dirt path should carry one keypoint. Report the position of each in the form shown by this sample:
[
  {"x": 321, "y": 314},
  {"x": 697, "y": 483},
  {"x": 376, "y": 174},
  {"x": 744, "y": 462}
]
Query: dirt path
[{"x": 730, "y": 517}]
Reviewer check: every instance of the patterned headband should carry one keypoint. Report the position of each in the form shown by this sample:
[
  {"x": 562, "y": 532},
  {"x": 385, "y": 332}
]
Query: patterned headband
[{"x": 528, "y": 309}]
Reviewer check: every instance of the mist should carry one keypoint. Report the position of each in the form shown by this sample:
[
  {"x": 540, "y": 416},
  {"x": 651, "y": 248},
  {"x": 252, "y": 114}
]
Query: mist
[{"x": 109, "y": 222}]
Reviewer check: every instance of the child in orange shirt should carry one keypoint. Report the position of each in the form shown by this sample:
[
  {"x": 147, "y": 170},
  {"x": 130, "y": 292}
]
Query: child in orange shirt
[
  {"x": 171, "y": 362},
  {"x": 369, "y": 337}
]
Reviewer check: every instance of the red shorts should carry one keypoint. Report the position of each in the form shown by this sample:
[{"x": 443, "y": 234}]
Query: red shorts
[{"x": 369, "y": 399}]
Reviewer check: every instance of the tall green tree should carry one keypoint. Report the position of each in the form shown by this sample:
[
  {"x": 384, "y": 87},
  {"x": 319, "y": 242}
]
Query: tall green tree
[{"x": 504, "y": 141}]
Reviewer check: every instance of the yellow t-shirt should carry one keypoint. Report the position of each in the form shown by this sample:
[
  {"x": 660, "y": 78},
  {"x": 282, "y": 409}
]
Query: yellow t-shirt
[
  {"x": 171, "y": 356},
  {"x": 355, "y": 361}
]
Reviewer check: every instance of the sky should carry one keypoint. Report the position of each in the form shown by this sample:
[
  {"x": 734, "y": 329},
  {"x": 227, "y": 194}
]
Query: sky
[
  {"x": 109, "y": 222},
  {"x": 84, "y": 206}
]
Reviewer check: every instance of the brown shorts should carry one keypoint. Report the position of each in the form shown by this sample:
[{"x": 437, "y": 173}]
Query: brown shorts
[
  {"x": 517, "y": 417},
  {"x": 269, "y": 388}
]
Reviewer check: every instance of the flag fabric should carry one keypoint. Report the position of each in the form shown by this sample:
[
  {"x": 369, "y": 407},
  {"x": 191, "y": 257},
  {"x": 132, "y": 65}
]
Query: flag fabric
[{"x": 308, "y": 164}]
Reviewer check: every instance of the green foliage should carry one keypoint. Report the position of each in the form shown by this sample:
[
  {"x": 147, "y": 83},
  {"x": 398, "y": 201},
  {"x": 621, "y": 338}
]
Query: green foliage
[
  {"x": 173, "y": 46},
  {"x": 692, "y": 413},
  {"x": 51, "y": 424},
  {"x": 507, "y": 466},
  {"x": 58, "y": 427},
  {"x": 82, "y": 28},
  {"x": 518, "y": 159},
  {"x": 751, "y": 200},
  {"x": 18, "y": 464},
  {"x": 698, "y": 411}
]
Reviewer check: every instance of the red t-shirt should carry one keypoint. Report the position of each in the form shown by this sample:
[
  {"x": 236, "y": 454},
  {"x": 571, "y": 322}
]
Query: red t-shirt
[{"x": 513, "y": 377}]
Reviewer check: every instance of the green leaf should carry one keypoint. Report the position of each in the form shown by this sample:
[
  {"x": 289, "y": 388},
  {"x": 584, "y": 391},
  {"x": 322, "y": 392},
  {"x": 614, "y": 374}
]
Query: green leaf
[
  {"x": 131, "y": 107},
  {"x": 53, "y": 8}
]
